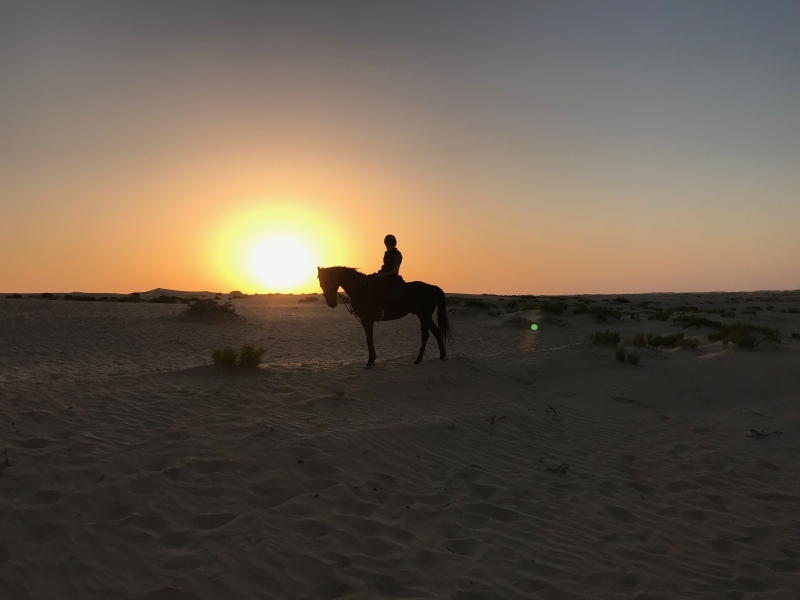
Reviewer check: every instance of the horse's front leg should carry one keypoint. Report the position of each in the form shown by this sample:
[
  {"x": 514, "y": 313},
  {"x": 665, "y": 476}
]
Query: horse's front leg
[{"x": 368, "y": 330}]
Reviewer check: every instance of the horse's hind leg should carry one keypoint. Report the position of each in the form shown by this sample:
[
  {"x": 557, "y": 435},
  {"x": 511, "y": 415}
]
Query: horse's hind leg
[
  {"x": 370, "y": 345},
  {"x": 438, "y": 335},
  {"x": 424, "y": 324}
]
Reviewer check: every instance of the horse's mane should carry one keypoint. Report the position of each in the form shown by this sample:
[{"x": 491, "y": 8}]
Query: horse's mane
[{"x": 342, "y": 270}]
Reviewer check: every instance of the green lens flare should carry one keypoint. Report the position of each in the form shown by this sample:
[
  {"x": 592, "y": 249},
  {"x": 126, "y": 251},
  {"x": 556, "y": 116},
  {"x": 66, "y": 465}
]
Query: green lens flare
[{"x": 534, "y": 326}]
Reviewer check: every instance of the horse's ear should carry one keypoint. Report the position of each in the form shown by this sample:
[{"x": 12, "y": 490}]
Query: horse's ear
[{"x": 319, "y": 270}]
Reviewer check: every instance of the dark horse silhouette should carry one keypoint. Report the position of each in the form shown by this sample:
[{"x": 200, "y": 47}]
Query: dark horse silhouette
[{"x": 416, "y": 297}]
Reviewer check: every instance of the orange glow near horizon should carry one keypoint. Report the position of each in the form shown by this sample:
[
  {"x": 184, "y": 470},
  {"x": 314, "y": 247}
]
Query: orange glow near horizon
[{"x": 274, "y": 248}]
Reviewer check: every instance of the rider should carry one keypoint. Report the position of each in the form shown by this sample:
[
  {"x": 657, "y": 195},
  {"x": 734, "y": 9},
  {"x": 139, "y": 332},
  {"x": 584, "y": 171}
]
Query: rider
[
  {"x": 389, "y": 273},
  {"x": 391, "y": 260}
]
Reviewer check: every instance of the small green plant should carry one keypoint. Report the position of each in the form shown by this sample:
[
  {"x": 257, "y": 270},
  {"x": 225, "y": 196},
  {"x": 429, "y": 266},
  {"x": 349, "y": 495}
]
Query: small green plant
[
  {"x": 250, "y": 356},
  {"x": 225, "y": 357},
  {"x": 619, "y": 352},
  {"x": 633, "y": 358},
  {"x": 605, "y": 338}
]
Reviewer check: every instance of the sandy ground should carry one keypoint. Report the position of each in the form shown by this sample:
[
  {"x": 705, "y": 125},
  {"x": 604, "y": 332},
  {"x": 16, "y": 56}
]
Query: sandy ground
[{"x": 139, "y": 470}]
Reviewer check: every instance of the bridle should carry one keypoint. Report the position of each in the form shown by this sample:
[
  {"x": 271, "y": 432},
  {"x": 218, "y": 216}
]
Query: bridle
[{"x": 349, "y": 306}]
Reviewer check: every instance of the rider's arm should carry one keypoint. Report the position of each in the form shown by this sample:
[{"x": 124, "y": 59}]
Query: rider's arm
[{"x": 397, "y": 260}]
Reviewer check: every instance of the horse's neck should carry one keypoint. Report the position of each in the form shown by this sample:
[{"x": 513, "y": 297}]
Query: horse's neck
[{"x": 350, "y": 281}]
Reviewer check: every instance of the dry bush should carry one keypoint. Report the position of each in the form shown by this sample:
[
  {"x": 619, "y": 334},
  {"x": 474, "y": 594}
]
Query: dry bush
[
  {"x": 203, "y": 309},
  {"x": 305, "y": 299},
  {"x": 605, "y": 338}
]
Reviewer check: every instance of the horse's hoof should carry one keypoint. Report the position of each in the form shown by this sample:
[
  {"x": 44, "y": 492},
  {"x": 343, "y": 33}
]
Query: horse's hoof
[
  {"x": 416, "y": 362},
  {"x": 369, "y": 365}
]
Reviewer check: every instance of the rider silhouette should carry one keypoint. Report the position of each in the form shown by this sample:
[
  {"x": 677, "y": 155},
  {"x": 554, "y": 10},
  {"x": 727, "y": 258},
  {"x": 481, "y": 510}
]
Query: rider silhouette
[{"x": 389, "y": 273}]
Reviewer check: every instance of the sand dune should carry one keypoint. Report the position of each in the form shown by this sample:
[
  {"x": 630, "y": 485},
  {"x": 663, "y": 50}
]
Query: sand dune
[{"x": 138, "y": 470}]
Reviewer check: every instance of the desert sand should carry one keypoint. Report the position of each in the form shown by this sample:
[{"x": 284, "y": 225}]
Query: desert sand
[{"x": 138, "y": 470}]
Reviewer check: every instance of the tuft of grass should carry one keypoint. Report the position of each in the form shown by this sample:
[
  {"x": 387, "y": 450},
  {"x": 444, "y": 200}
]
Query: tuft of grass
[
  {"x": 225, "y": 357},
  {"x": 639, "y": 340},
  {"x": 250, "y": 356},
  {"x": 305, "y": 299},
  {"x": 605, "y": 338},
  {"x": 619, "y": 352},
  {"x": 339, "y": 393},
  {"x": 633, "y": 358}
]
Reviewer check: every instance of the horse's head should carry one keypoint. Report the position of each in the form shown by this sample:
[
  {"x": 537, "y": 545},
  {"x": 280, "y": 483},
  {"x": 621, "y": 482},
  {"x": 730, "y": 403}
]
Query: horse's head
[{"x": 330, "y": 288}]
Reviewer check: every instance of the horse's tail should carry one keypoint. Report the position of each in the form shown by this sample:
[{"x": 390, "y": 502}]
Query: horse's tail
[{"x": 441, "y": 317}]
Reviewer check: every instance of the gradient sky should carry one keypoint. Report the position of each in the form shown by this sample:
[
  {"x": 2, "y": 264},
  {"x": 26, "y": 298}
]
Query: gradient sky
[{"x": 531, "y": 147}]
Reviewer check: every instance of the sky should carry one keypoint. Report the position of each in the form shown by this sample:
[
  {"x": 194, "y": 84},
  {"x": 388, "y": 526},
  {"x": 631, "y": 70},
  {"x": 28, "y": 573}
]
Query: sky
[{"x": 511, "y": 147}]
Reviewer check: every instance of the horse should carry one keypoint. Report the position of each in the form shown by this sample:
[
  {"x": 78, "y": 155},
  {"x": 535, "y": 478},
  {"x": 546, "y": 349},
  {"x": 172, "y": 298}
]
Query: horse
[{"x": 416, "y": 297}]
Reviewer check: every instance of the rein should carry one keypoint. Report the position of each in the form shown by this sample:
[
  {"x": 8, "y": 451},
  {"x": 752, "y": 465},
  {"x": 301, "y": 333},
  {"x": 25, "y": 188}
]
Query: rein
[{"x": 349, "y": 307}]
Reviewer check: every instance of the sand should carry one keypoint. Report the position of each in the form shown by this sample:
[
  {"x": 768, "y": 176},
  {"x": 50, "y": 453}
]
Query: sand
[{"x": 139, "y": 470}]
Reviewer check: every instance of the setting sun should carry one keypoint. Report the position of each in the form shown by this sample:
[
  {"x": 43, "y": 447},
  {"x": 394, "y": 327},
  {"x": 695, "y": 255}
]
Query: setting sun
[{"x": 281, "y": 262}]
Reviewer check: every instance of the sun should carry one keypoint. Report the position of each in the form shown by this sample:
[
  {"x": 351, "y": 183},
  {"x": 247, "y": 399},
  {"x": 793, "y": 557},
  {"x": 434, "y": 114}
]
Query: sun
[{"x": 281, "y": 262}]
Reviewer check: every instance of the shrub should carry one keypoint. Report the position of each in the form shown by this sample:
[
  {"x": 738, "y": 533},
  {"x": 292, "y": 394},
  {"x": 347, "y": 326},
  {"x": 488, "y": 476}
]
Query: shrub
[
  {"x": 693, "y": 321},
  {"x": 478, "y": 303},
  {"x": 667, "y": 341},
  {"x": 660, "y": 315},
  {"x": 225, "y": 357},
  {"x": 202, "y": 308},
  {"x": 796, "y": 336},
  {"x": 621, "y": 300},
  {"x": 738, "y": 333},
  {"x": 494, "y": 313},
  {"x": 46, "y": 295},
  {"x": 250, "y": 356},
  {"x": 633, "y": 358},
  {"x": 305, "y": 299},
  {"x": 600, "y": 312},
  {"x": 605, "y": 338},
  {"x": 165, "y": 300},
  {"x": 14, "y": 296},
  {"x": 638, "y": 340},
  {"x": 620, "y": 353}
]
